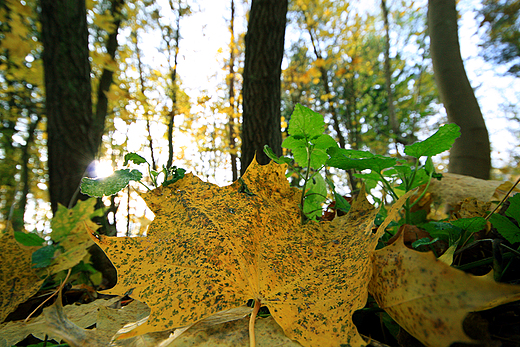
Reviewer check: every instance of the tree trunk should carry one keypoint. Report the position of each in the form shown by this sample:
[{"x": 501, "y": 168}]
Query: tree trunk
[
  {"x": 231, "y": 85},
  {"x": 264, "y": 46},
  {"x": 470, "y": 155},
  {"x": 106, "y": 77},
  {"x": 394, "y": 125},
  {"x": 72, "y": 143}
]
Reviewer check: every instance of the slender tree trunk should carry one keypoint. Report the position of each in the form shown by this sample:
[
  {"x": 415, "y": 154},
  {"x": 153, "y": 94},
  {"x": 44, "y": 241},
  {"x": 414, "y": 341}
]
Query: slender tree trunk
[
  {"x": 25, "y": 180},
  {"x": 326, "y": 87},
  {"x": 106, "y": 76},
  {"x": 145, "y": 101},
  {"x": 73, "y": 134},
  {"x": 174, "y": 85},
  {"x": 262, "y": 87},
  {"x": 470, "y": 155},
  {"x": 394, "y": 125},
  {"x": 231, "y": 85}
]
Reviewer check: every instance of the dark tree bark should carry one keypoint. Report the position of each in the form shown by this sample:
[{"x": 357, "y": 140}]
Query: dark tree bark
[
  {"x": 470, "y": 154},
  {"x": 264, "y": 45},
  {"x": 73, "y": 135}
]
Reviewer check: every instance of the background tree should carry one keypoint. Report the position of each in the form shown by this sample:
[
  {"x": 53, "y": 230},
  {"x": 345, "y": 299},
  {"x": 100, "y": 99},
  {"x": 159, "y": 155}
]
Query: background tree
[
  {"x": 264, "y": 45},
  {"x": 339, "y": 68},
  {"x": 470, "y": 155},
  {"x": 74, "y": 134},
  {"x": 501, "y": 21},
  {"x": 22, "y": 171}
]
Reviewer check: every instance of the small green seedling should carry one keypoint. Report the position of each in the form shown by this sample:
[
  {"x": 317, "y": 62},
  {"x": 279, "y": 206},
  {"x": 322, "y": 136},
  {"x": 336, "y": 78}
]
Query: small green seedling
[
  {"x": 313, "y": 151},
  {"x": 99, "y": 187}
]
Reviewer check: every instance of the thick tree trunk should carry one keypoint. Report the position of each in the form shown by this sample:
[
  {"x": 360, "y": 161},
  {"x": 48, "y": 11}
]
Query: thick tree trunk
[
  {"x": 72, "y": 143},
  {"x": 470, "y": 154},
  {"x": 262, "y": 87}
]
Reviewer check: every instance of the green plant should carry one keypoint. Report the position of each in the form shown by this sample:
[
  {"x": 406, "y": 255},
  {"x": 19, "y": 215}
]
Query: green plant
[
  {"x": 313, "y": 150},
  {"x": 106, "y": 186}
]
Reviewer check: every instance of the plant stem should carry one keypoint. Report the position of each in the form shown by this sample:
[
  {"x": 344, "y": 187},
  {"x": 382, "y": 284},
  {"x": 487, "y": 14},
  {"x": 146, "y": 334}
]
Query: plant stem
[
  {"x": 388, "y": 187},
  {"x": 144, "y": 185},
  {"x": 252, "y": 339},
  {"x": 424, "y": 191},
  {"x": 302, "y": 200}
]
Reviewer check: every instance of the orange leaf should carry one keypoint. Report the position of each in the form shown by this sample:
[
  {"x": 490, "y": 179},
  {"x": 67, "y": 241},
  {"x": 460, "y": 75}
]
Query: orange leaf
[
  {"x": 212, "y": 248},
  {"x": 428, "y": 298}
]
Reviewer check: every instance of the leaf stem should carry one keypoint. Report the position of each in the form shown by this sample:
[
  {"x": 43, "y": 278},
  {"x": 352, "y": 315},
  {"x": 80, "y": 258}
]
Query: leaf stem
[
  {"x": 252, "y": 339},
  {"x": 388, "y": 186},
  {"x": 302, "y": 200},
  {"x": 144, "y": 185}
]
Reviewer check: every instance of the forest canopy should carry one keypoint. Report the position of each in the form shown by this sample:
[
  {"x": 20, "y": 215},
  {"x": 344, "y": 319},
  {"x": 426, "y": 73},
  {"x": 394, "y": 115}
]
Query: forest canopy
[{"x": 367, "y": 70}]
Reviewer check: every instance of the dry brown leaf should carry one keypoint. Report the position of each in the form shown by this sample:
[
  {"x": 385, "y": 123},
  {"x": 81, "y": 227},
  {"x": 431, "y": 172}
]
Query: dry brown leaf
[
  {"x": 453, "y": 188},
  {"x": 212, "y": 248},
  {"x": 83, "y": 316},
  {"x": 428, "y": 298},
  {"x": 235, "y": 333}
]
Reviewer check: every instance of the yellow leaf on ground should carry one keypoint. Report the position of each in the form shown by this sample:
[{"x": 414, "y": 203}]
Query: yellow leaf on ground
[
  {"x": 212, "y": 248},
  {"x": 18, "y": 280},
  {"x": 428, "y": 298}
]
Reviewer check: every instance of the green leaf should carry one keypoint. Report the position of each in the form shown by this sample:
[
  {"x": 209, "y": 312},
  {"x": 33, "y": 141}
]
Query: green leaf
[
  {"x": 472, "y": 225},
  {"x": 341, "y": 203},
  {"x": 376, "y": 163},
  {"x": 428, "y": 166},
  {"x": 324, "y": 141},
  {"x": 368, "y": 176},
  {"x": 97, "y": 187},
  {"x": 176, "y": 174},
  {"x": 293, "y": 143},
  {"x": 505, "y": 227},
  {"x": 513, "y": 210},
  {"x": 271, "y": 155},
  {"x": 439, "y": 142},
  {"x": 43, "y": 257},
  {"x": 424, "y": 242},
  {"x": 421, "y": 177},
  {"x": 350, "y": 153},
  {"x": 300, "y": 153},
  {"x": 135, "y": 158},
  {"x": 28, "y": 239},
  {"x": 314, "y": 197},
  {"x": 305, "y": 123},
  {"x": 443, "y": 230}
]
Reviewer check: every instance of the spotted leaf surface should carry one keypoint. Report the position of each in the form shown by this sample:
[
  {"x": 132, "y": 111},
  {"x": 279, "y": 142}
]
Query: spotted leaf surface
[
  {"x": 18, "y": 280},
  {"x": 430, "y": 299},
  {"x": 212, "y": 248}
]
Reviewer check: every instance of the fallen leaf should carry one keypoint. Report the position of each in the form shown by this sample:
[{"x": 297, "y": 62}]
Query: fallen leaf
[
  {"x": 235, "y": 333},
  {"x": 68, "y": 228},
  {"x": 58, "y": 324},
  {"x": 428, "y": 298},
  {"x": 453, "y": 188},
  {"x": 18, "y": 280},
  {"x": 83, "y": 316},
  {"x": 212, "y": 248}
]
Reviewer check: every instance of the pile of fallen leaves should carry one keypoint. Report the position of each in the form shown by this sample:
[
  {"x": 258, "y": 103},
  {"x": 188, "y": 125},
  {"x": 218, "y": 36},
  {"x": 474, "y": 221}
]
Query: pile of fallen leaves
[{"x": 212, "y": 249}]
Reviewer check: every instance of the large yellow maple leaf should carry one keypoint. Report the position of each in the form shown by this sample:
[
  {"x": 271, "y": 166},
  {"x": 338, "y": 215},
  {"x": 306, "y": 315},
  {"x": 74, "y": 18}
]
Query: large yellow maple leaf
[{"x": 212, "y": 248}]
